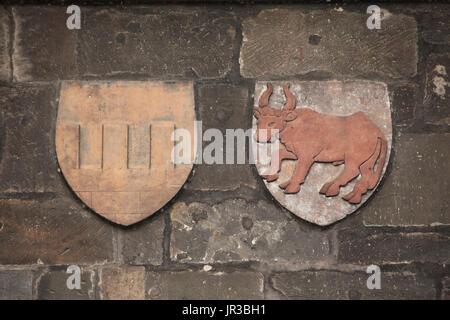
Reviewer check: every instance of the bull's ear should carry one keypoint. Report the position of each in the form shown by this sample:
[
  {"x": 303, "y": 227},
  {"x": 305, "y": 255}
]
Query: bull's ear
[
  {"x": 257, "y": 112},
  {"x": 289, "y": 116}
]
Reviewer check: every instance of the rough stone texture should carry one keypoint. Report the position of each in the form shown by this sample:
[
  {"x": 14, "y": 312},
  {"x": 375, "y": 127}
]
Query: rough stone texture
[
  {"x": 5, "y": 63},
  {"x": 52, "y": 285},
  {"x": 437, "y": 91},
  {"x": 282, "y": 42},
  {"x": 416, "y": 191},
  {"x": 236, "y": 230},
  {"x": 28, "y": 160},
  {"x": 56, "y": 231},
  {"x": 339, "y": 285},
  {"x": 44, "y": 48},
  {"x": 122, "y": 283},
  {"x": 333, "y": 98},
  {"x": 223, "y": 106},
  {"x": 143, "y": 243},
  {"x": 205, "y": 286},
  {"x": 445, "y": 289},
  {"x": 164, "y": 43},
  {"x": 115, "y": 144},
  {"x": 375, "y": 247},
  {"x": 404, "y": 97},
  {"x": 436, "y": 26},
  {"x": 16, "y": 285}
]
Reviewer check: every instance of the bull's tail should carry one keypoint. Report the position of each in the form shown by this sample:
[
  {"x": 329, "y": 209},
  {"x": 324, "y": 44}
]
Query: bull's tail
[{"x": 380, "y": 155}]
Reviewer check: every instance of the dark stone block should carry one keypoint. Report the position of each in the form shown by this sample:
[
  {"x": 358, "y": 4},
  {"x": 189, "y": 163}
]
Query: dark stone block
[
  {"x": 44, "y": 48},
  {"x": 16, "y": 285},
  {"x": 236, "y": 231},
  {"x": 436, "y": 26},
  {"x": 377, "y": 247},
  {"x": 160, "y": 43},
  {"x": 143, "y": 243},
  {"x": 351, "y": 285},
  {"x": 223, "y": 106},
  {"x": 53, "y": 285},
  {"x": 404, "y": 99},
  {"x": 28, "y": 159},
  {"x": 205, "y": 285},
  {"x": 56, "y": 231},
  {"x": 416, "y": 190},
  {"x": 286, "y": 42}
]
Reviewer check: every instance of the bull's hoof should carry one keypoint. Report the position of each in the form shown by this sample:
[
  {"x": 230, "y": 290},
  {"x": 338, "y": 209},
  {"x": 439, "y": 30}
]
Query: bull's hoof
[
  {"x": 292, "y": 188},
  {"x": 284, "y": 185},
  {"x": 353, "y": 197},
  {"x": 325, "y": 187},
  {"x": 270, "y": 177}
]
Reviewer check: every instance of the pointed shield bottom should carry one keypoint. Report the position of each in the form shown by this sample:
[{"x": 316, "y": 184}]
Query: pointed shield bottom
[{"x": 114, "y": 142}]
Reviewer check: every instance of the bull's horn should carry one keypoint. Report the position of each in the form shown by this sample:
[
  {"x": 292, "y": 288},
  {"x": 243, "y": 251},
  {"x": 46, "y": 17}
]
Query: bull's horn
[
  {"x": 290, "y": 98},
  {"x": 264, "y": 100}
]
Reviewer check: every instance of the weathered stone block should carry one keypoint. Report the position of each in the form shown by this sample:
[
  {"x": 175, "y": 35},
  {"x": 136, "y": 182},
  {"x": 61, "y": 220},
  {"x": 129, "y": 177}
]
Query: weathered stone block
[
  {"x": 52, "y": 285},
  {"x": 16, "y": 285},
  {"x": 27, "y": 126},
  {"x": 353, "y": 285},
  {"x": 376, "y": 247},
  {"x": 404, "y": 99},
  {"x": 236, "y": 230},
  {"x": 53, "y": 55},
  {"x": 143, "y": 243},
  {"x": 416, "y": 191},
  {"x": 435, "y": 26},
  {"x": 437, "y": 91},
  {"x": 122, "y": 283},
  {"x": 5, "y": 61},
  {"x": 56, "y": 231},
  {"x": 205, "y": 286},
  {"x": 223, "y": 106},
  {"x": 282, "y": 42},
  {"x": 162, "y": 43}
]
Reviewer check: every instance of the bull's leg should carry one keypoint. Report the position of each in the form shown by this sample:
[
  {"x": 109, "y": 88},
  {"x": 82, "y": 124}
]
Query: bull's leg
[
  {"x": 362, "y": 185},
  {"x": 332, "y": 188},
  {"x": 275, "y": 166},
  {"x": 301, "y": 170}
]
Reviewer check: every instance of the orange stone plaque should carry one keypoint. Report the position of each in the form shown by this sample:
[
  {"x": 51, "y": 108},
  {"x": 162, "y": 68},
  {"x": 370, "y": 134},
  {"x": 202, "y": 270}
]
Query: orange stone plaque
[{"x": 115, "y": 144}]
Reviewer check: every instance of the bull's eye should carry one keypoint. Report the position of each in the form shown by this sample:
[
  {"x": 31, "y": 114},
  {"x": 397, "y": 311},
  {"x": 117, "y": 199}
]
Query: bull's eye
[{"x": 272, "y": 124}]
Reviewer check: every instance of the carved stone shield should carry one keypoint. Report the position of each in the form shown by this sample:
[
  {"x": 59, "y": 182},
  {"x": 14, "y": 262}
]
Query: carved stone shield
[
  {"x": 114, "y": 142},
  {"x": 355, "y": 117}
]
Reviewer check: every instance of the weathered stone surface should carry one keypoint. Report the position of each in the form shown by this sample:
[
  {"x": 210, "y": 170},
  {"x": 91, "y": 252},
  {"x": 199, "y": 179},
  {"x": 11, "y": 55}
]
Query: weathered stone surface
[
  {"x": 376, "y": 247},
  {"x": 416, "y": 191},
  {"x": 53, "y": 56},
  {"x": 122, "y": 283},
  {"x": 353, "y": 285},
  {"x": 336, "y": 98},
  {"x": 28, "y": 160},
  {"x": 143, "y": 244},
  {"x": 115, "y": 144},
  {"x": 5, "y": 63},
  {"x": 436, "y": 26},
  {"x": 236, "y": 230},
  {"x": 437, "y": 91},
  {"x": 445, "y": 289},
  {"x": 52, "y": 285},
  {"x": 162, "y": 43},
  {"x": 223, "y": 106},
  {"x": 282, "y": 42},
  {"x": 205, "y": 286},
  {"x": 16, "y": 285},
  {"x": 404, "y": 99},
  {"x": 56, "y": 231}
]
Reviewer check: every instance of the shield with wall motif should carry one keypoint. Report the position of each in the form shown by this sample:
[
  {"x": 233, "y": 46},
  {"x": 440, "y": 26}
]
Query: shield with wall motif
[{"x": 115, "y": 144}]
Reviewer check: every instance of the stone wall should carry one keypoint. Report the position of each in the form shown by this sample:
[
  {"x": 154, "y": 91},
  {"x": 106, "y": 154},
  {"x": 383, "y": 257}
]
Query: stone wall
[{"x": 223, "y": 236}]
